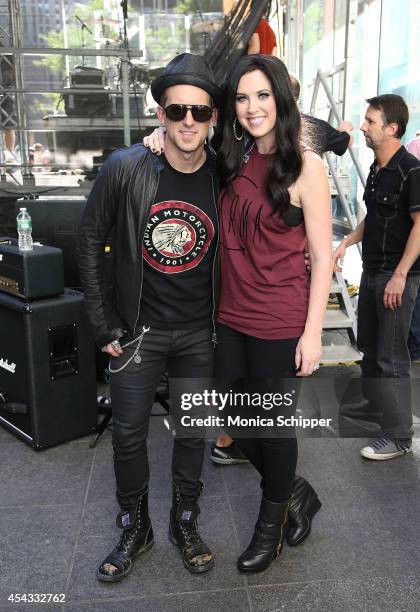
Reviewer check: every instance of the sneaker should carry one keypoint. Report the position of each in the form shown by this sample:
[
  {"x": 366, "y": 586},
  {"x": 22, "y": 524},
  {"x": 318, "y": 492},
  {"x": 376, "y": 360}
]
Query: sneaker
[
  {"x": 228, "y": 455},
  {"x": 386, "y": 448}
]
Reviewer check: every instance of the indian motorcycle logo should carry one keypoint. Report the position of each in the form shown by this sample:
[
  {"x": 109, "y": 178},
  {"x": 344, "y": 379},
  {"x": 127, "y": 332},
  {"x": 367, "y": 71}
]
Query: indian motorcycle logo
[{"x": 177, "y": 237}]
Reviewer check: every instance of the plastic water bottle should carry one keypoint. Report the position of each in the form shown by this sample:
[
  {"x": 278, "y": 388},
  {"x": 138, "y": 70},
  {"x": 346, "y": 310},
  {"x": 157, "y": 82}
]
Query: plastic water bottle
[{"x": 24, "y": 227}]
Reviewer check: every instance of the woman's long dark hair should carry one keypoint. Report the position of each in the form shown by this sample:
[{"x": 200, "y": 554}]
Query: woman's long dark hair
[{"x": 287, "y": 163}]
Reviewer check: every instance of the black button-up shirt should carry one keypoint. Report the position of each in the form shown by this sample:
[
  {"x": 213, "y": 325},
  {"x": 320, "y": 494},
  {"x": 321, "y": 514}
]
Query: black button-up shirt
[{"x": 391, "y": 195}]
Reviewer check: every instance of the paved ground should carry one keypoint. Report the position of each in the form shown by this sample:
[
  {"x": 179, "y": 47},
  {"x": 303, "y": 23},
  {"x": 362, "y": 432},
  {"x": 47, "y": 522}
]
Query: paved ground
[{"x": 57, "y": 513}]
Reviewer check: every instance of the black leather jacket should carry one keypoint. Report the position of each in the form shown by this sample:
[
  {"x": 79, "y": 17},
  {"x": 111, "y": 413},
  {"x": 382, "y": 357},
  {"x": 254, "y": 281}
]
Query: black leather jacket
[{"x": 120, "y": 203}]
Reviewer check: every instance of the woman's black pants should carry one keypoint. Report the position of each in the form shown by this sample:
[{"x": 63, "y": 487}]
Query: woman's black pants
[{"x": 246, "y": 358}]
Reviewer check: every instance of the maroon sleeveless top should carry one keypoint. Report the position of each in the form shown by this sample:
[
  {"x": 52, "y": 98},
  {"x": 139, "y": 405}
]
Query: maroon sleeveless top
[{"x": 264, "y": 281}]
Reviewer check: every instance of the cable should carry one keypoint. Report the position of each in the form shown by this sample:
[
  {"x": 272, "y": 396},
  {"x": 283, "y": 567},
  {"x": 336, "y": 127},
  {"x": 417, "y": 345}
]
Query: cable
[{"x": 199, "y": 10}]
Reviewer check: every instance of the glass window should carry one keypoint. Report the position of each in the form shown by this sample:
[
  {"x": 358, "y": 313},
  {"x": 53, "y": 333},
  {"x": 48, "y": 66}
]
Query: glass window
[
  {"x": 399, "y": 61},
  {"x": 312, "y": 33},
  {"x": 340, "y": 14}
]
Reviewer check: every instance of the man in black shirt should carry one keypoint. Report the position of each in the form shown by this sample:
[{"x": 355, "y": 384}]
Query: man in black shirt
[
  {"x": 390, "y": 235},
  {"x": 163, "y": 216}
]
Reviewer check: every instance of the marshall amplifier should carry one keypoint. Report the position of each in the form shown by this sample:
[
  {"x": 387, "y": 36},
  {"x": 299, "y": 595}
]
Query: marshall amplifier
[
  {"x": 30, "y": 274},
  {"x": 47, "y": 369}
]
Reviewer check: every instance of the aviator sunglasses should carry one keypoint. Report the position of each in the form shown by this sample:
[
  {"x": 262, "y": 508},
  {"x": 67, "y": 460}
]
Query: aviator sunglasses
[{"x": 178, "y": 112}]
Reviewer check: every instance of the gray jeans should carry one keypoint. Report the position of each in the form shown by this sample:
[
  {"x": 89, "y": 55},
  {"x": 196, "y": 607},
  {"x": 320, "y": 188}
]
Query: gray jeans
[{"x": 382, "y": 338}]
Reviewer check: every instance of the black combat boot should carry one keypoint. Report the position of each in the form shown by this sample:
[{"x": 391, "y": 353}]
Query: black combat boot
[
  {"x": 136, "y": 538},
  {"x": 267, "y": 541},
  {"x": 304, "y": 504},
  {"x": 183, "y": 531}
]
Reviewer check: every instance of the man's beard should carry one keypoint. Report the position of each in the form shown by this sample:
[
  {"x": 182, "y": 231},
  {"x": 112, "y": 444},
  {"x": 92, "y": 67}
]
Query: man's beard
[{"x": 369, "y": 143}]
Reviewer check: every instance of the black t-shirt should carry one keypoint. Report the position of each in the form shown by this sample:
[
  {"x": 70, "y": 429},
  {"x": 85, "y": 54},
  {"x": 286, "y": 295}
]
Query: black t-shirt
[
  {"x": 391, "y": 194},
  {"x": 327, "y": 138},
  {"x": 178, "y": 251}
]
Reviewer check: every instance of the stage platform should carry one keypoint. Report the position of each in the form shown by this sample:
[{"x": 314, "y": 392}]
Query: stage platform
[{"x": 57, "y": 522}]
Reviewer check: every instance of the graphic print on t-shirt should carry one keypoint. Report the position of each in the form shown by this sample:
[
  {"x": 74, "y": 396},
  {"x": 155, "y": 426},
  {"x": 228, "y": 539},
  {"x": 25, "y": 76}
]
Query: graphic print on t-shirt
[
  {"x": 177, "y": 236},
  {"x": 240, "y": 215}
]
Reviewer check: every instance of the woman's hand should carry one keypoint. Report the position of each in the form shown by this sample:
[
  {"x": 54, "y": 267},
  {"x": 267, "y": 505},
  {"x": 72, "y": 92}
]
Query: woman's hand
[
  {"x": 308, "y": 353},
  {"x": 156, "y": 140}
]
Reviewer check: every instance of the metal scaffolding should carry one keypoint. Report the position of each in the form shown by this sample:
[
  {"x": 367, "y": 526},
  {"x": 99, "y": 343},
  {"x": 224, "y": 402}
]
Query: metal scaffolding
[{"x": 13, "y": 95}]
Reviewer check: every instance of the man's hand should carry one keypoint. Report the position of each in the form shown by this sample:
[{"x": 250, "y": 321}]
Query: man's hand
[
  {"x": 394, "y": 290},
  {"x": 338, "y": 257},
  {"x": 156, "y": 140},
  {"x": 113, "y": 348}
]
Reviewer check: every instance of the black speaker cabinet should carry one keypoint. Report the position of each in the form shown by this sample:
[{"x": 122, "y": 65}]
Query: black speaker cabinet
[
  {"x": 87, "y": 104},
  {"x": 47, "y": 369}
]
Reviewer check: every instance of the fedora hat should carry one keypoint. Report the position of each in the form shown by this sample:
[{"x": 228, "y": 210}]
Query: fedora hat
[{"x": 186, "y": 69}]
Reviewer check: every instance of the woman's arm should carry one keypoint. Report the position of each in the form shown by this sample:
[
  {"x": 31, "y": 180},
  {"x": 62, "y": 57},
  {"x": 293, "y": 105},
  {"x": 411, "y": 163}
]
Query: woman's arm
[
  {"x": 315, "y": 200},
  {"x": 254, "y": 44}
]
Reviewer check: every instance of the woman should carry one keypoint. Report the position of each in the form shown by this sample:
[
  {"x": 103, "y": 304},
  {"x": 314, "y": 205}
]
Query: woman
[{"x": 274, "y": 200}]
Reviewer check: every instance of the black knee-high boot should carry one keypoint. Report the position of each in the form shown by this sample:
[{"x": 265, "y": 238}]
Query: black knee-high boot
[{"x": 267, "y": 541}]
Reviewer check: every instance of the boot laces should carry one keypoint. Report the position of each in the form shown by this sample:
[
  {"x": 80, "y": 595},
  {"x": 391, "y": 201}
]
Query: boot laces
[
  {"x": 129, "y": 534},
  {"x": 190, "y": 533},
  {"x": 188, "y": 530}
]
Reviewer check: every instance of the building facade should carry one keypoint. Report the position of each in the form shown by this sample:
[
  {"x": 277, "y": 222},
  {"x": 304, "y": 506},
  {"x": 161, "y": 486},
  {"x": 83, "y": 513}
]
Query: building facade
[{"x": 368, "y": 47}]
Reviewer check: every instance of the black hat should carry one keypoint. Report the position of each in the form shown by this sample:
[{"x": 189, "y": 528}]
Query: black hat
[{"x": 186, "y": 69}]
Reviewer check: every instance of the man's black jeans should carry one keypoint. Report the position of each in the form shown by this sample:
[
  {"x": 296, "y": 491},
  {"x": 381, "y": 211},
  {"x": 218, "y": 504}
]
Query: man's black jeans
[
  {"x": 183, "y": 354},
  {"x": 382, "y": 337}
]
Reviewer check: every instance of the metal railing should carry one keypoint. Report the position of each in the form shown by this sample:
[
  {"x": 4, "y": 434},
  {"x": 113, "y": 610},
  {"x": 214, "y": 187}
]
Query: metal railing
[{"x": 322, "y": 80}]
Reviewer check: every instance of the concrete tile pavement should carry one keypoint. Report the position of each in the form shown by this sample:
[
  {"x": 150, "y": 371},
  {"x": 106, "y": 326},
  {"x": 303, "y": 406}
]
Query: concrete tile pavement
[{"x": 57, "y": 522}]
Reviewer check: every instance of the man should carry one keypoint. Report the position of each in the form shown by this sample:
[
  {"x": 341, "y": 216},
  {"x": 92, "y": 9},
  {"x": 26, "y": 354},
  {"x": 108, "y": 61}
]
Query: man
[
  {"x": 390, "y": 235},
  {"x": 413, "y": 147},
  {"x": 162, "y": 213}
]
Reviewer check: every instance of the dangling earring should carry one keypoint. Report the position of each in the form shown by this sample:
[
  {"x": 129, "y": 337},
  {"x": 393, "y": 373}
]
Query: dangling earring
[{"x": 234, "y": 130}]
